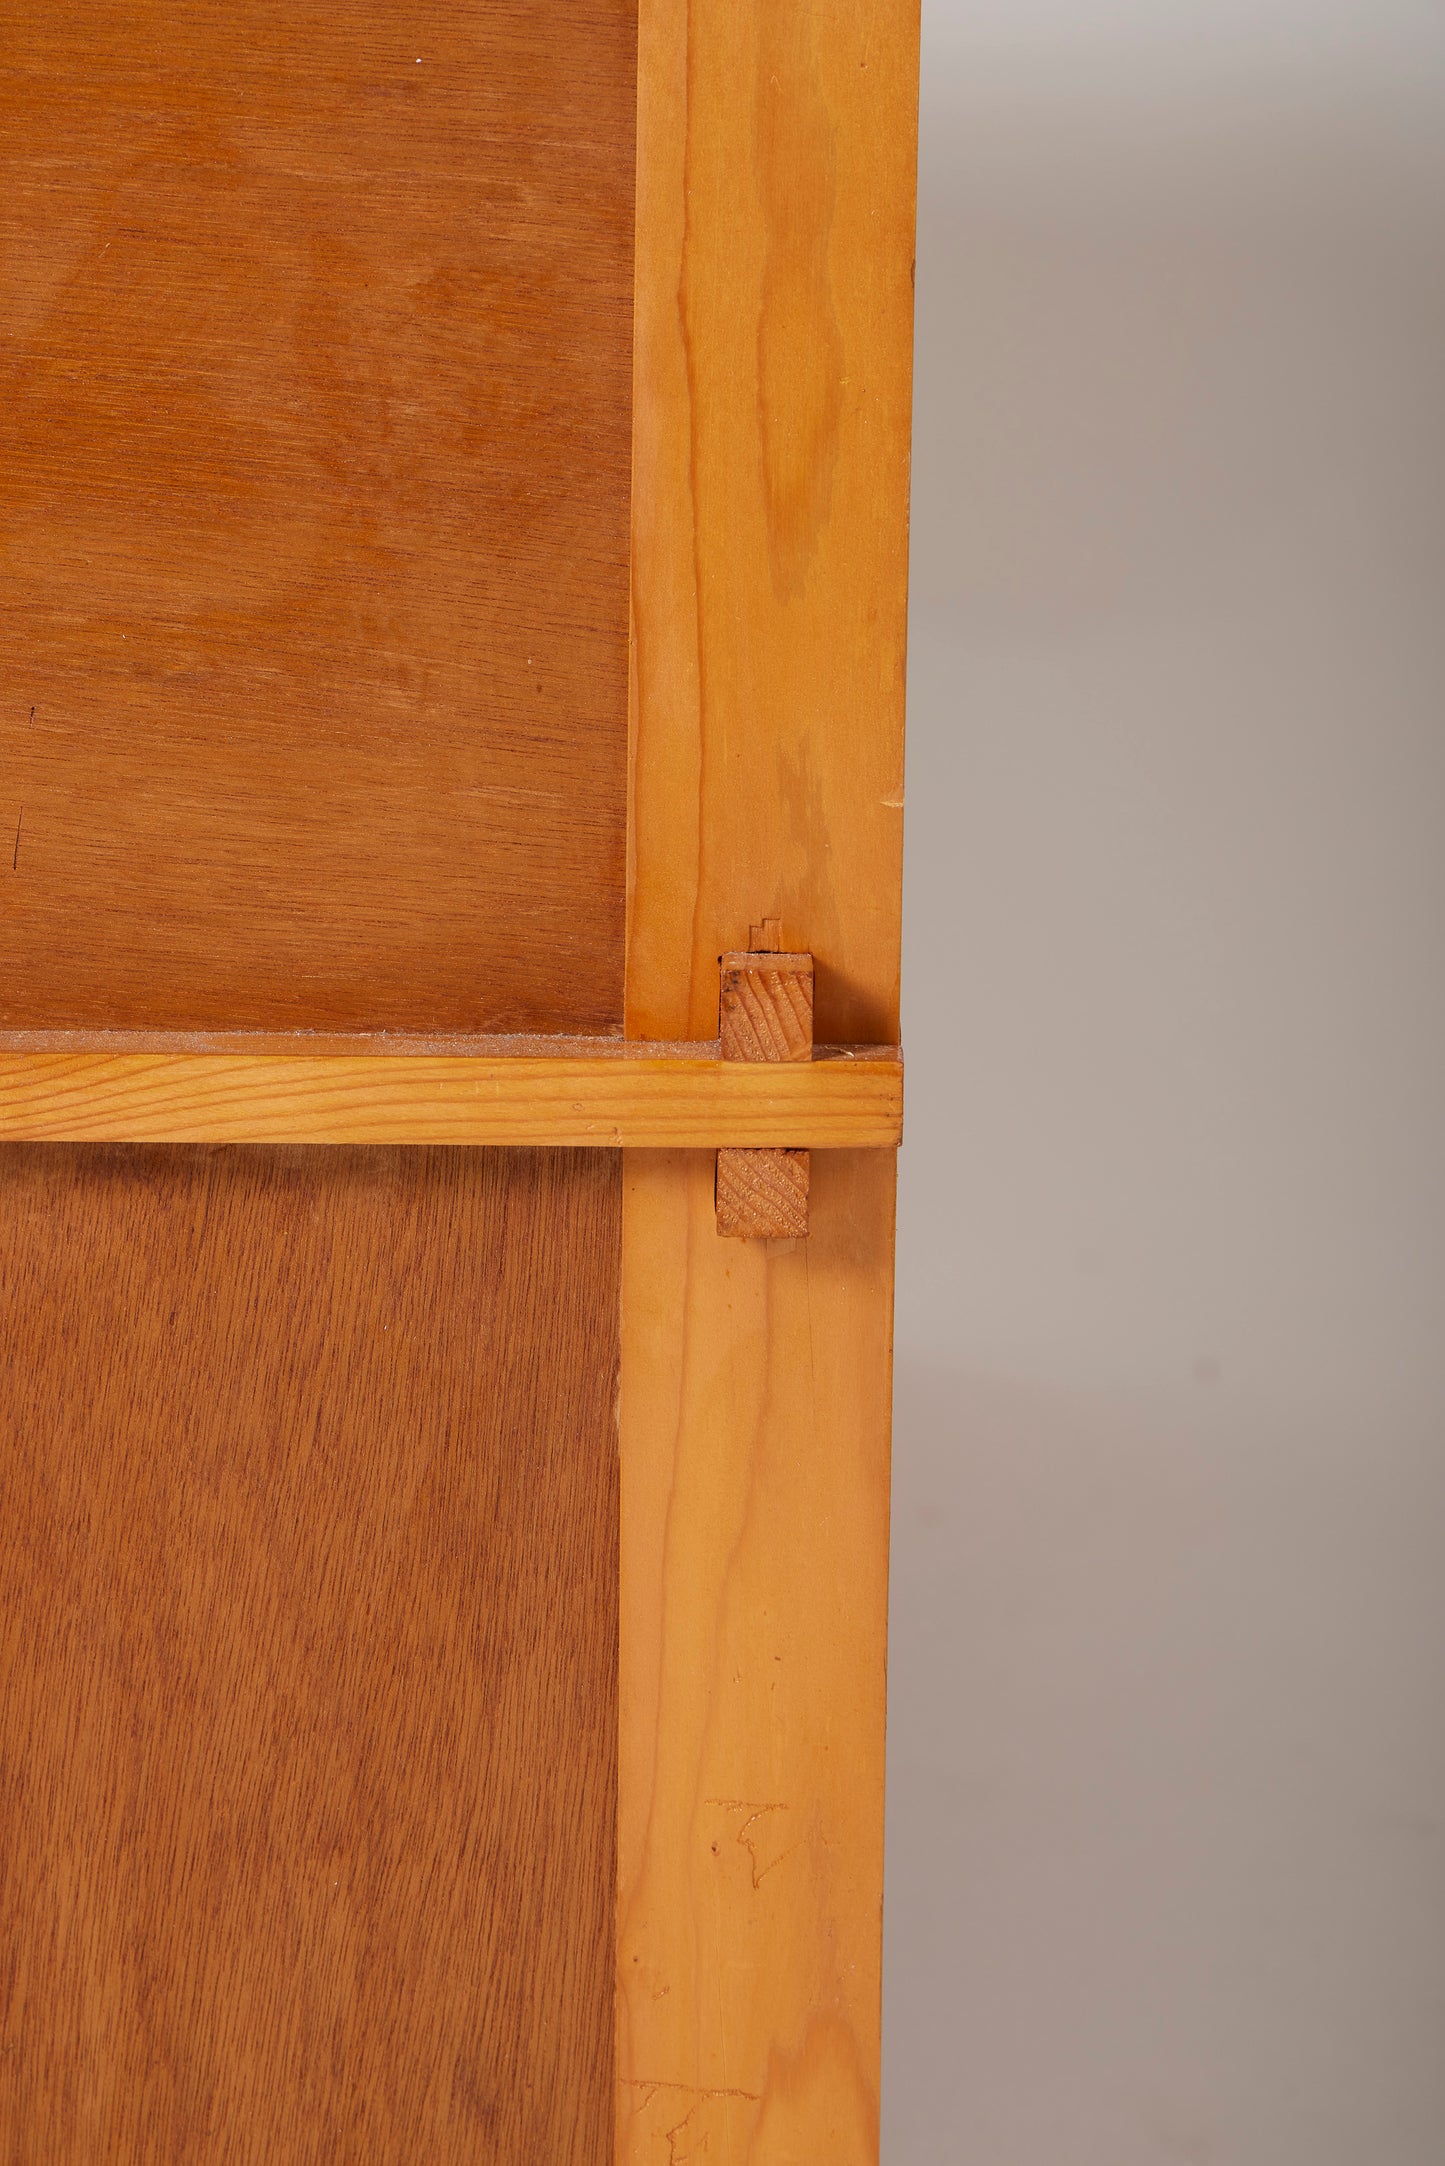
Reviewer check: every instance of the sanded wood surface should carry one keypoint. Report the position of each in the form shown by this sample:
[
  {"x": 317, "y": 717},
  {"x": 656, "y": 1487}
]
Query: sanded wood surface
[
  {"x": 314, "y": 470},
  {"x": 755, "y": 1423},
  {"x": 308, "y": 1526},
  {"x": 771, "y": 395},
  {"x": 298, "y": 1097},
  {"x": 776, "y": 159}
]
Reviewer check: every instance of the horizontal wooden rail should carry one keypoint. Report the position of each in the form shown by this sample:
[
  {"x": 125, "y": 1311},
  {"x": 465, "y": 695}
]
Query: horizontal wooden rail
[{"x": 683, "y": 1096}]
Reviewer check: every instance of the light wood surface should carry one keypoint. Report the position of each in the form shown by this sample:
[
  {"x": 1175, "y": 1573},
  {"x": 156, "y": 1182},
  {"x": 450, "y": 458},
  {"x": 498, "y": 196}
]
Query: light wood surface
[
  {"x": 309, "y": 1720},
  {"x": 755, "y": 1422},
  {"x": 447, "y": 1098},
  {"x": 776, "y": 160},
  {"x": 771, "y": 421},
  {"x": 315, "y": 389}
]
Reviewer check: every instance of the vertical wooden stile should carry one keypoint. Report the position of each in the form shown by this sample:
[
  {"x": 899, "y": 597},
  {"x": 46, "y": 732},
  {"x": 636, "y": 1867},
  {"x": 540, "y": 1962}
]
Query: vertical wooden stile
[{"x": 771, "y": 431}]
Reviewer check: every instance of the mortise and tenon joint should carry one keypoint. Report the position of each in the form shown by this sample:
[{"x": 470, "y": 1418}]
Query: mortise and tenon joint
[{"x": 766, "y": 1014}]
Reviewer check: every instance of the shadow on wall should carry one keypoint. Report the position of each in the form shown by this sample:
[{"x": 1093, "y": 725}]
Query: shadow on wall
[{"x": 1167, "y": 1769}]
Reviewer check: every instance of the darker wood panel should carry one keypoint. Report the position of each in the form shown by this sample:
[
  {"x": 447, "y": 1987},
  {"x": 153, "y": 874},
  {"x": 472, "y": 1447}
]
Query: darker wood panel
[
  {"x": 308, "y": 1632},
  {"x": 314, "y": 472}
]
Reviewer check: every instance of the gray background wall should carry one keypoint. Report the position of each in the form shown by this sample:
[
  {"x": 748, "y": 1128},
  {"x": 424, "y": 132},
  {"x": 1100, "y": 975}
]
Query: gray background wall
[{"x": 1167, "y": 1740}]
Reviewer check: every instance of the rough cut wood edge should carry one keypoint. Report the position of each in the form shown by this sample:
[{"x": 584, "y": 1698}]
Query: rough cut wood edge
[
  {"x": 762, "y": 1195},
  {"x": 765, "y": 1014},
  {"x": 771, "y": 423},
  {"x": 755, "y": 1449},
  {"x": 766, "y": 1007},
  {"x": 441, "y": 1098}
]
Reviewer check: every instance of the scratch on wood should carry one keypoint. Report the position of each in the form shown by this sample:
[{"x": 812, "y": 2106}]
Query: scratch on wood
[
  {"x": 15, "y": 854},
  {"x": 699, "y": 2095},
  {"x": 678, "y": 2129},
  {"x": 653, "y": 2084},
  {"x": 755, "y": 1813}
]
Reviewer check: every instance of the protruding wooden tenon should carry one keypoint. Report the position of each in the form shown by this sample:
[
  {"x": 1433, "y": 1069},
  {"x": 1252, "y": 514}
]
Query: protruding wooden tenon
[
  {"x": 762, "y": 1195},
  {"x": 766, "y": 1014}
]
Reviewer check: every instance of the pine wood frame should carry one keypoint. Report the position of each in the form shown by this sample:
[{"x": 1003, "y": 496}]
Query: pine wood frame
[
  {"x": 604, "y": 1093},
  {"x": 772, "y": 357},
  {"x": 773, "y": 342}
]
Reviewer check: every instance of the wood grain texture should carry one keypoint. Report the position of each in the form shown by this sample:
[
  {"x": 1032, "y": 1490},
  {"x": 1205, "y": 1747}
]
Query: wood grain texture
[
  {"x": 447, "y": 1098},
  {"x": 776, "y": 158},
  {"x": 314, "y": 473},
  {"x": 308, "y": 1545},
  {"x": 755, "y": 1421},
  {"x": 765, "y": 1014},
  {"x": 771, "y": 411},
  {"x": 766, "y": 1007},
  {"x": 763, "y": 1195}
]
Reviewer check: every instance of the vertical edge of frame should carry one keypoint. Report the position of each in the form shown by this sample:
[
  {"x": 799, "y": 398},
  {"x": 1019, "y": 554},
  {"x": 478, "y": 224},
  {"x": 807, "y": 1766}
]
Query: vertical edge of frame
[
  {"x": 756, "y": 1382},
  {"x": 772, "y": 362},
  {"x": 772, "y": 406}
]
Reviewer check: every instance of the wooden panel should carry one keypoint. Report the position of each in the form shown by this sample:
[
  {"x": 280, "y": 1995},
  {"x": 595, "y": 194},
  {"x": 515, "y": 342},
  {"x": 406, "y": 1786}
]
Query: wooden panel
[
  {"x": 447, "y": 1098},
  {"x": 755, "y": 1406},
  {"x": 314, "y": 468},
  {"x": 770, "y": 498},
  {"x": 308, "y": 1540}
]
